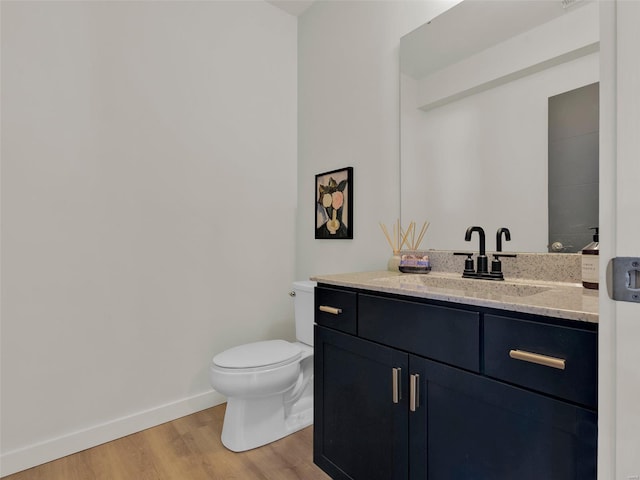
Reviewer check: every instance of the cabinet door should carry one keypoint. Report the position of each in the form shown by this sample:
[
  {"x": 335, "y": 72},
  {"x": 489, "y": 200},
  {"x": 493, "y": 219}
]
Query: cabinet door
[
  {"x": 470, "y": 427},
  {"x": 359, "y": 432}
]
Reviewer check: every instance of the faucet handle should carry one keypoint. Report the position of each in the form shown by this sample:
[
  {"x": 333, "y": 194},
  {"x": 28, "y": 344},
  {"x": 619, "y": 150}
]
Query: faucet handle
[
  {"x": 468, "y": 263},
  {"x": 496, "y": 264},
  {"x": 497, "y": 255}
]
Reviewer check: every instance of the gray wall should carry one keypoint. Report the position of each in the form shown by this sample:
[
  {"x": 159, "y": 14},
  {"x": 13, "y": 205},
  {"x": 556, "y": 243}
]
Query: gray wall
[{"x": 573, "y": 166}]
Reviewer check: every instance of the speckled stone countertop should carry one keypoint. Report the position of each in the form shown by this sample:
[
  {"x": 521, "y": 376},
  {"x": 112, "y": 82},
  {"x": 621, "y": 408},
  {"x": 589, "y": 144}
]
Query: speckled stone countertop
[{"x": 554, "y": 299}]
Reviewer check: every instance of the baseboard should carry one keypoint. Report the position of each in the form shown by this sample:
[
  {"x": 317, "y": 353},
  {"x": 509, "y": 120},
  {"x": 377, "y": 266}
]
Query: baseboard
[{"x": 39, "y": 453}]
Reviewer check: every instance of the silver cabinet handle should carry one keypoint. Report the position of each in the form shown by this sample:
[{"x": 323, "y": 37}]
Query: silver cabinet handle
[
  {"x": 395, "y": 384},
  {"x": 328, "y": 309},
  {"x": 414, "y": 392},
  {"x": 552, "y": 362}
]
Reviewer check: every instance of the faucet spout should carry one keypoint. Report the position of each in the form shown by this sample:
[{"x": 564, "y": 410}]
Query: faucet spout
[
  {"x": 480, "y": 231},
  {"x": 483, "y": 263},
  {"x": 507, "y": 237}
]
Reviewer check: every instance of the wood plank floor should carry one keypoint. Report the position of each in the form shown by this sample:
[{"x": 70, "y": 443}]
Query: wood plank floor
[{"x": 188, "y": 448}]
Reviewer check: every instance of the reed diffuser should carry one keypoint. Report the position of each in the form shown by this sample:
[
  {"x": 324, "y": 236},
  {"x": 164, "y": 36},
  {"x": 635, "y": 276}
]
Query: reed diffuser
[{"x": 400, "y": 238}]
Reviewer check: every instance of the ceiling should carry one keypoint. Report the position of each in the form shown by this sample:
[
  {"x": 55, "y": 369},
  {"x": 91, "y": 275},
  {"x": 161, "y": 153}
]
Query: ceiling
[
  {"x": 468, "y": 28},
  {"x": 293, "y": 7}
]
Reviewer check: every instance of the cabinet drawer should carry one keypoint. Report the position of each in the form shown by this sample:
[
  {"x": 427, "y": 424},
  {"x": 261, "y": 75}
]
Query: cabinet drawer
[
  {"x": 563, "y": 364},
  {"x": 336, "y": 309},
  {"x": 444, "y": 334}
]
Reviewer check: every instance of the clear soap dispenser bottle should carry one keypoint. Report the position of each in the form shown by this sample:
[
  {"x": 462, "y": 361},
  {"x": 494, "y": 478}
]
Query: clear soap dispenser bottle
[{"x": 590, "y": 258}]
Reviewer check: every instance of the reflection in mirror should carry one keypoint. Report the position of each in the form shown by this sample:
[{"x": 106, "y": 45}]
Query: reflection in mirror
[
  {"x": 574, "y": 127},
  {"x": 475, "y": 89}
]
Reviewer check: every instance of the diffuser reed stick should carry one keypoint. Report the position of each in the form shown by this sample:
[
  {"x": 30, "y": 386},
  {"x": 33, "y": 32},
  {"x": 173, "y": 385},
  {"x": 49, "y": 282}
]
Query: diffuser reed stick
[
  {"x": 386, "y": 234},
  {"x": 406, "y": 235},
  {"x": 415, "y": 245},
  {"x": 400, "y": 237}
]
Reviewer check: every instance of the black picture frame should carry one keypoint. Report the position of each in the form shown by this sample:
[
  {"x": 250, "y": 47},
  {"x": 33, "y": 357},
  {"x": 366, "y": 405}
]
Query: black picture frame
[{"x": 334, "y": 205}]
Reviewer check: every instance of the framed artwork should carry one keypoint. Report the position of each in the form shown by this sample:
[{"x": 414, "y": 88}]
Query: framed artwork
[{"x": 334, "y": 204}]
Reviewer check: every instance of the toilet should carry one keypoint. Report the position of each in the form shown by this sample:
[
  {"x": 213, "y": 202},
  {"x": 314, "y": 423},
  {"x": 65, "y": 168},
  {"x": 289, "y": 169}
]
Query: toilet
[{"x": 268, "y": 384}]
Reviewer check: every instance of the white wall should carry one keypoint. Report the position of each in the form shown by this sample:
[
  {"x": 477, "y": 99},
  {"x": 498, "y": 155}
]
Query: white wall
[
  {"x": 143, "y": 145},
  {"x": 348, "y": 116}
]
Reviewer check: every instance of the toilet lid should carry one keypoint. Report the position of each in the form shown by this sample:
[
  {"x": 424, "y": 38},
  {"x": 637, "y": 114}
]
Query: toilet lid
[{"x": 258, "y": 354}]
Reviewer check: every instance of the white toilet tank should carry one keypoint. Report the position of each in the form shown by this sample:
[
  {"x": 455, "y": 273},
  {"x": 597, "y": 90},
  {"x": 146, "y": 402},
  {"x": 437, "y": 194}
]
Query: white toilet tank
[{"x": 304, "y": 310}]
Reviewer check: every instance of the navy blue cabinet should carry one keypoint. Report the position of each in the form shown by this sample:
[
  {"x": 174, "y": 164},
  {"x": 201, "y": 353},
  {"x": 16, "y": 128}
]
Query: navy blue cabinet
[
  {"x": 449, "y": 335},
  {"x": 570, "y": 351},
  {"x": 396, "y": 397},
  {"x": 360, "y": 431},
  {"x": 471, "y": 427}
]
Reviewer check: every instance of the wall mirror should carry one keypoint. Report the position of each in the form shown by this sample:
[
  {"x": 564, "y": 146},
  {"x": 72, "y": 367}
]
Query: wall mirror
[{"x": 474, "y": 122}]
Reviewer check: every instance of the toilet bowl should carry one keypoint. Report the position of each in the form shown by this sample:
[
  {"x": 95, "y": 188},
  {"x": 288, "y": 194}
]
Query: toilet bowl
[{"x": 268, "y": 384}]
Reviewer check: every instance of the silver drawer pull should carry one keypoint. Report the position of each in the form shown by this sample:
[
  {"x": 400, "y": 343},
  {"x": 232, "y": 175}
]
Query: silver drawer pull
[
  {"x": 395, "y": 384},
  {"x": 332, "y": 310},
  {"x": 414, "y": 392},
  {"x": 552, "y": 362}
]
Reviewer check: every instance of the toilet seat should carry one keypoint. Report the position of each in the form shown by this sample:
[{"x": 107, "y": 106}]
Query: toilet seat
[{"x": 258, "y": 355}]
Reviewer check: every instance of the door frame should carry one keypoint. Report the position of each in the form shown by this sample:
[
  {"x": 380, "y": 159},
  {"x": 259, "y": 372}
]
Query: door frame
[{"x": 619, "y": 322}]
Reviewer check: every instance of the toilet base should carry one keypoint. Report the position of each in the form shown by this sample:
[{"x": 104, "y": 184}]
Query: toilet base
[{"x": 254, "y": 422}]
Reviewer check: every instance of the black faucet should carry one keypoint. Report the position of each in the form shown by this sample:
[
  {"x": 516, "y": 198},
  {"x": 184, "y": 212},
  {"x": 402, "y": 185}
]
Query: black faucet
[
  {"x": 507, "y": 237},
  {"x": 496, "y": 265},
  {"x": 482, "y": 268}
]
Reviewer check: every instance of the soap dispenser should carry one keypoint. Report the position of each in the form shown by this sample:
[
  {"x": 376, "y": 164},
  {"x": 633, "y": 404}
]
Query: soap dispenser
[{"x": 590, "y": 259}]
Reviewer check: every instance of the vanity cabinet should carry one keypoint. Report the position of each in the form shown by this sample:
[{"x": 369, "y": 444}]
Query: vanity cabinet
[
  {"x": 429, "y": 390},
  {"x": 359, "y": 431}
]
